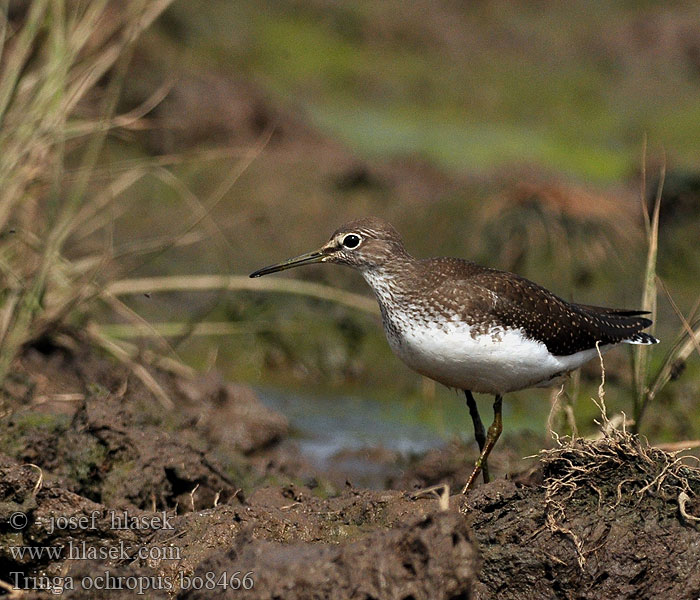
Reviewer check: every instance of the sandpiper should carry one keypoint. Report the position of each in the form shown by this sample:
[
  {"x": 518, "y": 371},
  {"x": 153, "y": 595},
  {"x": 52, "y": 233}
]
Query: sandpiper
[{"x": 470, "y": 327}]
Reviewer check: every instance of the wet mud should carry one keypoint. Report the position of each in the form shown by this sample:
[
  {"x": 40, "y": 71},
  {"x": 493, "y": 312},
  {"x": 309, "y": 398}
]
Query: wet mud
[{"x": 210, "y": 498}]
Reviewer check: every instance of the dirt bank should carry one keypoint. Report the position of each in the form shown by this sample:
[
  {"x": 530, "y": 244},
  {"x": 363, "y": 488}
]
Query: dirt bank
[{"x": 195, "y": 500}]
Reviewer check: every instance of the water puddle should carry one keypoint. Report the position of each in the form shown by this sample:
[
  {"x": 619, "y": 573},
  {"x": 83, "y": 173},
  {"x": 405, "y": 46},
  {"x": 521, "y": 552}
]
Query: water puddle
[{"x": 365, "y": 438}]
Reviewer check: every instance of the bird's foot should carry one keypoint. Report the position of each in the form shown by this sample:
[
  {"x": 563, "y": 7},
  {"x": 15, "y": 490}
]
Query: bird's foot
[{"x": 473, "y": 477}]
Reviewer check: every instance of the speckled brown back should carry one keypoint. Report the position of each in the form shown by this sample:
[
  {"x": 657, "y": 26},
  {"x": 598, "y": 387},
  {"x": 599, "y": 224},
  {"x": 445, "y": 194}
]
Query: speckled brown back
[{"x": 480, "y": 295}]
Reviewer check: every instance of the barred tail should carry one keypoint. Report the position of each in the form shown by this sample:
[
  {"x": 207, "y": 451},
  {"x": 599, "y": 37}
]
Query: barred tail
[{"x": 641, "y": 338}]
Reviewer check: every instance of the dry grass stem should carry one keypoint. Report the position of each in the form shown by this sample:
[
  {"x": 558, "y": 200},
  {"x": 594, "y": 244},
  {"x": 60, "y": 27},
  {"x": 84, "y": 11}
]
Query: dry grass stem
[
  {"x": 125, "y": 357},
  {"x": 57, "y": 55},
  {"x": 133, "y": 353},
  {"x": 40, "y": 481},
  {"x": 191, "y": 283},
  {"x": 553, "y": 412},
  {"x": 441, "y": 491},
  {"x": 640, "y": 353},
  {"x": 679, "y": 446},
  {"x": 74, "y": 397},
  {"x": 600, "y": 402},
  {"x": 192, "y": 493},
  {"x": 176, "y": 329},
  {"x": 12, "y": 592}
]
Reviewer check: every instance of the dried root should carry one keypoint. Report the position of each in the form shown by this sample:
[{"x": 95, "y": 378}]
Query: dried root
[{"x": 620, "y": 468}]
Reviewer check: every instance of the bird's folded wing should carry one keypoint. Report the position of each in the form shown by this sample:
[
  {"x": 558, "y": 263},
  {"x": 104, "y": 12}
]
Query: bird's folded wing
[{"x": 518, "y": 303}]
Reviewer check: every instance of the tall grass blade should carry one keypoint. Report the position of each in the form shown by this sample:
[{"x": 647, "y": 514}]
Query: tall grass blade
[
  {"x": 649, "y": 298},
  {"x": 687, "y": 341}
]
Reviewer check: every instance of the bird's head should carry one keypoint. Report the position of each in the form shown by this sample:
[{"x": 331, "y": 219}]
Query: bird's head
[{"x": 364, "y": 244}]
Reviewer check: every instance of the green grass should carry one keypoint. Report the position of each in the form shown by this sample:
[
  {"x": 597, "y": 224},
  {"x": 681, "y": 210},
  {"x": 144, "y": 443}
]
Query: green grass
[{"x": 466, "y": 146}]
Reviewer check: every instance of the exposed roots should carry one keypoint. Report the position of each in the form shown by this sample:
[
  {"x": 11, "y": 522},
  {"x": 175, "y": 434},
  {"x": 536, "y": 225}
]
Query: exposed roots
[{"x": 617, "y": 462}]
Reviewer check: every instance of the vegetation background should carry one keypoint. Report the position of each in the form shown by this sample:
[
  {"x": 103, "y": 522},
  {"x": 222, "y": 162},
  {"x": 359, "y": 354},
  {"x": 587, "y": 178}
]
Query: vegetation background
[{"x": 527, "y": 136}]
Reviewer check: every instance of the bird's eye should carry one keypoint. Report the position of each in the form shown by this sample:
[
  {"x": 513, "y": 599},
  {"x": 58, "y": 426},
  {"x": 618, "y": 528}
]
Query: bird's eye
[{"x": 351, "y": 241}]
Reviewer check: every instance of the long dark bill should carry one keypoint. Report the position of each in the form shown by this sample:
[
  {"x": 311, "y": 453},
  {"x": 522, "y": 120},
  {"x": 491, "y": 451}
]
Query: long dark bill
[{"x": 305, "y": 259}]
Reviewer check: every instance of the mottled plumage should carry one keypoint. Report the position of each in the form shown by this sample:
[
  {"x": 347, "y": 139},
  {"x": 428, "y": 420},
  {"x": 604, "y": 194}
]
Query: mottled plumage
[
  {"x": 484, "y": 297},
  {"x": 473, "y": 327}
]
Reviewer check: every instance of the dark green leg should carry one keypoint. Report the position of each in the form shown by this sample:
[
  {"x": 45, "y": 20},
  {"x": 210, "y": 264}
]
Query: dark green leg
[
  {"x": 491, "y": 438},
  {"x": 479, "y": 432}
]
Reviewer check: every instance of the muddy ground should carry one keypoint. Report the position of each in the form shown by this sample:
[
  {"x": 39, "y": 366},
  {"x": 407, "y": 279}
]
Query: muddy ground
[{"x": 102, "y": 486}]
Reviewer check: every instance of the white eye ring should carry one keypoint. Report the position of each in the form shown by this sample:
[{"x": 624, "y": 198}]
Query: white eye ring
[{"x": 352, "y": 240}]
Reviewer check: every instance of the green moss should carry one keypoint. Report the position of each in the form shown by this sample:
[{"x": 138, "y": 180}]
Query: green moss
[
  {"x": 13, "y": 439},
  {"x": 26, "y": 421},
  {"x": 113, "y": 485},
  {"x": 84, "y": 460}
]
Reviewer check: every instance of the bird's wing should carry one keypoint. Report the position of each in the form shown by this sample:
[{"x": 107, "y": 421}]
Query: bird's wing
[{"x": 494, "y": 296}]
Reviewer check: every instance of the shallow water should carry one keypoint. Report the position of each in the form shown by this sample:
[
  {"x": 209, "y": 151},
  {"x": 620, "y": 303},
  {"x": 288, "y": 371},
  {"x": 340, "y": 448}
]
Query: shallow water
[
  {"x": 368, "y": 440},
  {"x": 328, "y": 425}
]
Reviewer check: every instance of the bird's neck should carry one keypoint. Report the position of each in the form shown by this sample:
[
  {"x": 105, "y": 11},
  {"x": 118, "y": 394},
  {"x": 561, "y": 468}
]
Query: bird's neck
[{"x": 390, "y": 280}]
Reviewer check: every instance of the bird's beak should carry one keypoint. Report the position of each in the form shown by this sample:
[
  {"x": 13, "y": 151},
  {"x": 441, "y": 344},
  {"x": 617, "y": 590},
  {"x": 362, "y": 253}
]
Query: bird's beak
[{"x": 305, "y": 259}]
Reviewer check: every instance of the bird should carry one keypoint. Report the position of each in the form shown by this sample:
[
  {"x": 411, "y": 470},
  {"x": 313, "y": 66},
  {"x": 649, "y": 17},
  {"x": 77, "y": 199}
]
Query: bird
[{"x": 470, "y": 327}]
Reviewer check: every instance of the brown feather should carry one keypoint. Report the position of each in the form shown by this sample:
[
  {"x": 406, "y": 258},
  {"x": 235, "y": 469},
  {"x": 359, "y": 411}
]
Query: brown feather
[{"x": 484, "y": 296}]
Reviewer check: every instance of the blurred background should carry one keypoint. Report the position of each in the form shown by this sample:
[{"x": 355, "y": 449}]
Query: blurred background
[{"x": 508, "y": 133}]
